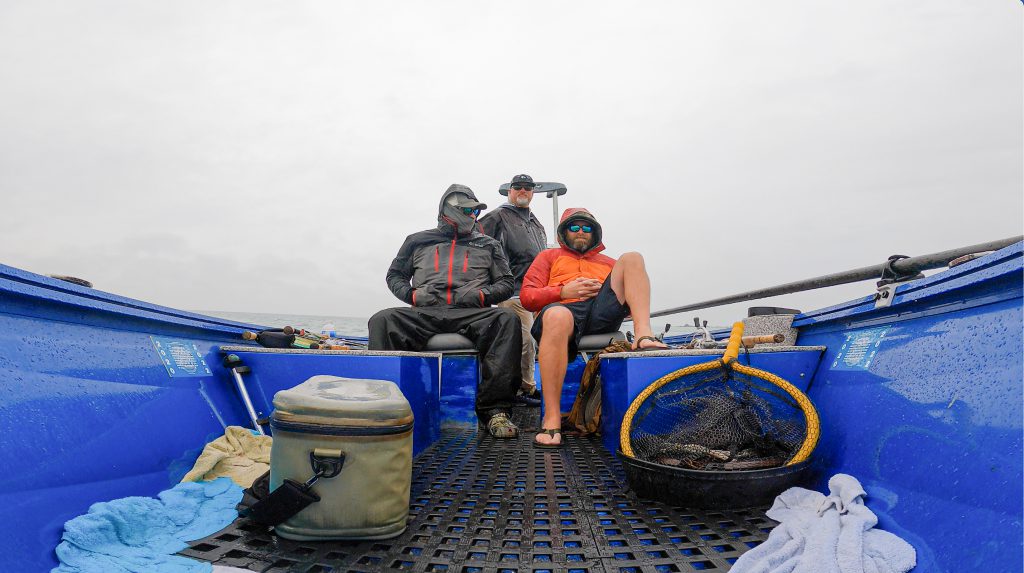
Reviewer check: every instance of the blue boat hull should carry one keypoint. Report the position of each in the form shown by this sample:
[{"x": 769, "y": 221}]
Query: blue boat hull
[
  {"x": 932, "y": 425},
  {"x": 921, "y": 401}
]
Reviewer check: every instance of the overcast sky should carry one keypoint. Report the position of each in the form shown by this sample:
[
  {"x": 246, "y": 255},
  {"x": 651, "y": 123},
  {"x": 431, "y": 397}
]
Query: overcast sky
[{"x": 272, "y": 156}]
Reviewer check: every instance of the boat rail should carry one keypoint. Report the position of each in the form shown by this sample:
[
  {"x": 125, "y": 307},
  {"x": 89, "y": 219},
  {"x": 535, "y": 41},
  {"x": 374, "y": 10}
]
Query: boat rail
[{"x": 902, "y": 267}]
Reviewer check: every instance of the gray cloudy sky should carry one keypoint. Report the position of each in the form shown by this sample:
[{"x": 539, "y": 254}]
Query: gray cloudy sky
[{"x": 272, "y": 156}]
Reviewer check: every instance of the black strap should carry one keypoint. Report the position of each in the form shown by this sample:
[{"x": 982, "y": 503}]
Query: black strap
[
  {"x": 290, "y": 497},
  {"x": 890, "y": 275},
  {"x": 282, "y": 503},
  {"x": 727, "y": 368}
]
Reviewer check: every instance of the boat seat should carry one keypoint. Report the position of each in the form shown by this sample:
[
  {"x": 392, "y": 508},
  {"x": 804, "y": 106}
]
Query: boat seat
[
  {"x": 591, "y": 343},
  {"x": 450, "y": 343}
]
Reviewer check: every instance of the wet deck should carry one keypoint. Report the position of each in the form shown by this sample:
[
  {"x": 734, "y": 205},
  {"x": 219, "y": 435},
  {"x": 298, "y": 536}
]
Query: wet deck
[{"x": 480, "y": 504}]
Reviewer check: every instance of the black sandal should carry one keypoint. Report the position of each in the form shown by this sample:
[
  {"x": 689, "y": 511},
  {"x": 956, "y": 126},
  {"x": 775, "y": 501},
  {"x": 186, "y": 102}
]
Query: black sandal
[{"x": 551, "y": 433}]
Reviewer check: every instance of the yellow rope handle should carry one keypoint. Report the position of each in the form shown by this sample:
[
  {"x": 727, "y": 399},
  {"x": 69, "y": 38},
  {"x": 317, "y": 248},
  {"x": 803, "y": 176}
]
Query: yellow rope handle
[
  {"x": 810, "y": 413},
  {"x": 732, "y": 350}
]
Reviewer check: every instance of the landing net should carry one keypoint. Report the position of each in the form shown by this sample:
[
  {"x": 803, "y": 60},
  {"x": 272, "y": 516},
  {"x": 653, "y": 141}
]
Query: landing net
[{"x": 720, "y": 416}]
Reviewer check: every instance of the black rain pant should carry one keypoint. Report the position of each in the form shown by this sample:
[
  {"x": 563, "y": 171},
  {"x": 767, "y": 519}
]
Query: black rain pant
[{"x": 494, "y": 331}]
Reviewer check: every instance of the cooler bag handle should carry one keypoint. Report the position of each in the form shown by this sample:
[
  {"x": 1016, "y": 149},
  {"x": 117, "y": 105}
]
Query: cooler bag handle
[{"x": 292, "y": 497}]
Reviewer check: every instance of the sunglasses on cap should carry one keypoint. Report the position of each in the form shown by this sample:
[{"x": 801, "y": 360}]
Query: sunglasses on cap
[
  {"x": 519, "y": 187},
  {"x": 578, "y": 228},
  {"x": 470, "y": 210}
]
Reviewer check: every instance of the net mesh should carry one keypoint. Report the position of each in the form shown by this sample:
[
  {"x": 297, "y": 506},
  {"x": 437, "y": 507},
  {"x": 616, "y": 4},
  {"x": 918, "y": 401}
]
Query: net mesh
[{"x": 718, "y": 420}]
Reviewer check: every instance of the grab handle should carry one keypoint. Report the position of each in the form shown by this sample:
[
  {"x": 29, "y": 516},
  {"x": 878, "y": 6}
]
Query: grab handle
[
  {"x": 749, "y": 341},
  {"x": 732, "y": 350}
]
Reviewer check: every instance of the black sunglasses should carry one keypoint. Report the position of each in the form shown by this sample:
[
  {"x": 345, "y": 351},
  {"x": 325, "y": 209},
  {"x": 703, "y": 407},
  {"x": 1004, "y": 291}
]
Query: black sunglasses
[
  {"x": 518, "y": 187},
  {"x": 578, "y": 228},
  {"x": 470, "y": 210}
]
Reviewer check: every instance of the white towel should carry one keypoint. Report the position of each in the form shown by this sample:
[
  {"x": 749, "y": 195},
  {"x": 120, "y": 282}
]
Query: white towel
[{"x": 834, "y": 534}]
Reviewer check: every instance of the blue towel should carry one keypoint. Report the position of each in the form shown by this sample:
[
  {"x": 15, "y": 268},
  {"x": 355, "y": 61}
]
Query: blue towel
[
  {"x": 141, "y": 534},
  {"x": 834, "y": 534}
]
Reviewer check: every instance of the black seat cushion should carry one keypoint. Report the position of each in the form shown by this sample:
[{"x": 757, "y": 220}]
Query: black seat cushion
[
  {"x": 595, "y": 342},
  {"x": 461, "y": 344},
  {"x": 449, "y": 342}
]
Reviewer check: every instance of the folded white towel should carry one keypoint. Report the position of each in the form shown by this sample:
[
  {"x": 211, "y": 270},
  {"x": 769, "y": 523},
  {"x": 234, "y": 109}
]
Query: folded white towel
[{"x": 834, "y": 534}]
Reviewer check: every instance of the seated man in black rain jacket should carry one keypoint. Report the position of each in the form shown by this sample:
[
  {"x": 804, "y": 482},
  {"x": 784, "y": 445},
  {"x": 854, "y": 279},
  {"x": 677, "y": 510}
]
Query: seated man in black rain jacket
[{"x": 451, "y": 276}]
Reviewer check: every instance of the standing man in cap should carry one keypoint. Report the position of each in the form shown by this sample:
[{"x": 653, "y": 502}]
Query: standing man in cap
[
  {"x": 451, "y": 275},
  {"x": 522, "y": 238}
]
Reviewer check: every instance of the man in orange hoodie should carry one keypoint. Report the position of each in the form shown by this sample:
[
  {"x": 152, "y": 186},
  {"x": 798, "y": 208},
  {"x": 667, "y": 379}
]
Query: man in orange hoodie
[{"x": 576, "y": 290}]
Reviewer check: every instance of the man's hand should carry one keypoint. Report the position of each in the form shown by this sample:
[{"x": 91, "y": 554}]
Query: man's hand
[
  {"x": 426, "y": 298},
  {"x": 581, "y": 288},
  {"x": 469, "y": 298}
]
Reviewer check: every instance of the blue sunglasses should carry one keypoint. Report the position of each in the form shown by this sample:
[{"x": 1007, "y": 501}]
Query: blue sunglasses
[
  {"x": 470, "y": 211},
  {"x": 577, "y": 228}
]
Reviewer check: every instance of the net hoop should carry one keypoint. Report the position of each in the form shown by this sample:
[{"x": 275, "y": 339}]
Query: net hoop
[{"x": 806, "y": 408}]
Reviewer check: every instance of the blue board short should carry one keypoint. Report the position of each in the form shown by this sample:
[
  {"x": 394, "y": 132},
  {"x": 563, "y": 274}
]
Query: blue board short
[{"x": 603, "y": 313}]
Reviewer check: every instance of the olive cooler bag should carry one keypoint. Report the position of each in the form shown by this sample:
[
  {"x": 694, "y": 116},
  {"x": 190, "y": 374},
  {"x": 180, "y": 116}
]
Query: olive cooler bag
[{"x": 342, "y": 458}]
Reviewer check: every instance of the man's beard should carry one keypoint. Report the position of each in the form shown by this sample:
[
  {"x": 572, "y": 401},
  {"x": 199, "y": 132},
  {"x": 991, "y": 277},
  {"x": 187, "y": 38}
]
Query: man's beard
[
  {"x": 580, "y": 243},
  {"x": 522, "y": 202}
]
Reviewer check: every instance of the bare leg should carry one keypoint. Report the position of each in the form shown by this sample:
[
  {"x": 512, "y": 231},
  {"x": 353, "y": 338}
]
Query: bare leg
[
  {"x": 631, "y": 285},
  {"x": 554, "y": 359}
]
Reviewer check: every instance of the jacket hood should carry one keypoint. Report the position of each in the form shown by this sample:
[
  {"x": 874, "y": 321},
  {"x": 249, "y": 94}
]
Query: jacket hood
[
  {"x": 451, "y": 222},
  {"x": 577, "y": 214}
]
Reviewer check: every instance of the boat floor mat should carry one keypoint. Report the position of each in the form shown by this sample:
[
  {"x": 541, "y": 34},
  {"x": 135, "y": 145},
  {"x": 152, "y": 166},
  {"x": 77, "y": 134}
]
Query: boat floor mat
[{"x": 492, "y": 506}]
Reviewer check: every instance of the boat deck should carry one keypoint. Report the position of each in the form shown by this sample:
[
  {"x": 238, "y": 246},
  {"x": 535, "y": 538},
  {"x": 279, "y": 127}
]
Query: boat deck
[{"x": 480, "y": 504}]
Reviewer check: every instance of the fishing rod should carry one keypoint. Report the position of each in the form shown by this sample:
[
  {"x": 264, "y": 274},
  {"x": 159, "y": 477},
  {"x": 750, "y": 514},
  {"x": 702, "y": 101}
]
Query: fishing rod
[{"x": 904, "y": 267}]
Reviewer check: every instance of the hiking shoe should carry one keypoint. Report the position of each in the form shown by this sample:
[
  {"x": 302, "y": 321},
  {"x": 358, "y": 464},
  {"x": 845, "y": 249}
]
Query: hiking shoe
[
  {"x": 501, "y": 426},
  {"x": 531, "y": 400}
]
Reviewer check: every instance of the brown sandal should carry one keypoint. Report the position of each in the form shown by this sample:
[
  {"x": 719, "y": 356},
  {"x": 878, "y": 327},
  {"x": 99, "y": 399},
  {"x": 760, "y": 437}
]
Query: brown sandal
[
  {"x": 551, "y": 433},
  {"x": 649, "y": 348}
]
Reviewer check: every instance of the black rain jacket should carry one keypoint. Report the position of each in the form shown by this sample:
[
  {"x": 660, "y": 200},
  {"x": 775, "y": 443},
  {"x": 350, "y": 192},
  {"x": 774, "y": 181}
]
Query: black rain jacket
[
  {"x": 443, "y": 267},
  {"x": 521, "y": 236}
]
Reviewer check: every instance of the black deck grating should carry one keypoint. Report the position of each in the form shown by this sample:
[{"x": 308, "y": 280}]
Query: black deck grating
[{"x": 485, "y": 505}]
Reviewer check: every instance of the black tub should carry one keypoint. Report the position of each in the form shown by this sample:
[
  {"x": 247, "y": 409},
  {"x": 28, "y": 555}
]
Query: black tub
[{"x": 711, "y": 489}]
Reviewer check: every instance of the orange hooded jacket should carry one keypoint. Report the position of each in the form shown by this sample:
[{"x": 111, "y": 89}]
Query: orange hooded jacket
[{"x": 553, "y": 268}]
